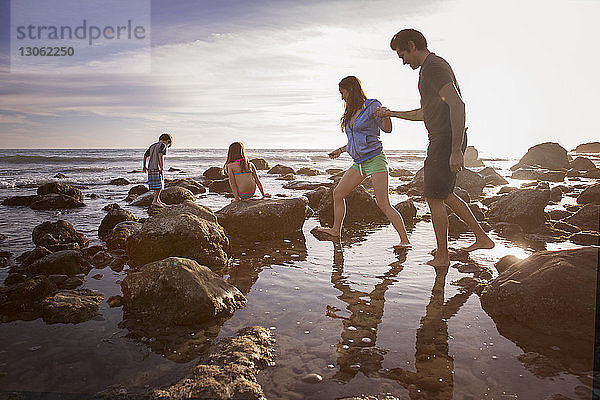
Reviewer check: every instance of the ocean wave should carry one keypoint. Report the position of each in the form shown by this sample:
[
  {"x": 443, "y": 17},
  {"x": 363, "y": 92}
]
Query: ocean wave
[{"x": 24, "y": 159}]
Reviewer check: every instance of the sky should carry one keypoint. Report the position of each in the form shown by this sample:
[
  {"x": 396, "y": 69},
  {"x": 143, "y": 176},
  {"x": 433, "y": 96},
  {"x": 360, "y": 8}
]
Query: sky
[{"x": 266, "y": 73}]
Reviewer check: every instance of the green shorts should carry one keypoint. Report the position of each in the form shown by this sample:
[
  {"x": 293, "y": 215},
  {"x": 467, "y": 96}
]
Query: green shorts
[{"x": 372, "y": 165}]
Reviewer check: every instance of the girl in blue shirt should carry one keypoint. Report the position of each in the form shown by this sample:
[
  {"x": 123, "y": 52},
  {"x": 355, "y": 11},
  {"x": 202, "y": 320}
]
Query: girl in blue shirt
[{"x": 362, "y": 127}]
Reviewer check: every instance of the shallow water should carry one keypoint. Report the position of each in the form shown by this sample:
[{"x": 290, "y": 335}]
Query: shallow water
[{"x": 365, "y": 319}]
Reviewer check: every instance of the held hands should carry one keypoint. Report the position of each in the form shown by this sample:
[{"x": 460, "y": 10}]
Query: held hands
[
  {"x": 457, "y": 161},
  {"x": 383, "y": 112},
  {"x": 335, "y": 154},
  {"x": 144, "y": 170}
]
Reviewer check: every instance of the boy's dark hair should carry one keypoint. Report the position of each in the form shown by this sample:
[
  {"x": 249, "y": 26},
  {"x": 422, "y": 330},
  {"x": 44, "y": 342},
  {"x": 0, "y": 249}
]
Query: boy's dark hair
[
  {"x": 401, "y": 39},
  {"x": 167, "y": 138}
]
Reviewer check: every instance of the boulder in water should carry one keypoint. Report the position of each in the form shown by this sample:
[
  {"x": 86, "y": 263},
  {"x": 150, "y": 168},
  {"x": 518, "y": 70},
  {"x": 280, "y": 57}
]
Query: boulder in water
[
  {"x": 59, "y": 232},
  {"x": 15, "y": 201},
  {"x": 117, "y": 237},
  {"x": 60, "y": 188},
  {"x": 308, "y": 171},
  {"x": 178, "y": 291},
  {"x": 214, "y": 173},
  {"x": 408, "y": 211},
  {"x": 260, "y": 163},
  {"x": 66, "y": 262},
  {"x": 170, "y": 195},
  {"x": 220, "y": 186},
  {"x": 119, "y": 182},
  {"x": 71, "y": 306},
  {"x": 281, "y": 170},
  {"x": 582, "y": 164},
  {"x": 360, "y": 206},
  {"x": 286, "y": 177},
  {"x": 551, "y": 156},
  {"x": 590, "y": 195},
  {"x": 470, "y": 181},
  {"x": 55, "y": 202},
  {"x": 188, "y": 183},
  {"x": 112, "y": 218},
  {"x": 135, "y": 191},
  {"x": 592, "y": 147},
  {"x": 471, "y": 158},
  {"x": 263, "y": 218},
  {"x": 585, "y": 218},
  {"x": 491, "y": 177},
  {"x": 539, "y": 174},
  {"x": 524, "y": 207},
  {"x": 314, "y": 196}
]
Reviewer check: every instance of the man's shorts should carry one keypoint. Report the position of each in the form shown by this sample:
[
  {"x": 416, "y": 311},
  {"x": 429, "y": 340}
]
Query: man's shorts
[
  {"x": 155, "y": 180},
  {"x": 372, "y": 165},
  {"x": 439, "y": 181}
]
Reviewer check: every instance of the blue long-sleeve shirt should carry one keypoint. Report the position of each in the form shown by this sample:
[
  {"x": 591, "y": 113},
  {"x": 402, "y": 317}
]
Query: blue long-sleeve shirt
[{"x": 363, "y": 136}]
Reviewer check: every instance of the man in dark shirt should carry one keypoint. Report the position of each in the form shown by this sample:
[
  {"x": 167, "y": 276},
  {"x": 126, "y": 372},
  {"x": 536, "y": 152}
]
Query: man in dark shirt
[{"x": 443, "y": 111}]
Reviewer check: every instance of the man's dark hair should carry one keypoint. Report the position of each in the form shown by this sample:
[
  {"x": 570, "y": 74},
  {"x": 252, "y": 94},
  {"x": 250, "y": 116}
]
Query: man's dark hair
[
  {"x": 401, "y": 39},
  {"x": 167, "y": 138}
]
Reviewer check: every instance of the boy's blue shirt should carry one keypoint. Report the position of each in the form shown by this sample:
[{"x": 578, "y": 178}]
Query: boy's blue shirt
[{"x": 363, "y": 137}]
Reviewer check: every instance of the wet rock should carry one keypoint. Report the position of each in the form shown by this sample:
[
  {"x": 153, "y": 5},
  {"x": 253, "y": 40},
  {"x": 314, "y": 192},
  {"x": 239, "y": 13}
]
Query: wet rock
[
  {"x": 566, "y": 227},
  {"x": 573, "y": 208},
  {"x": 260, "y": 163},
  {"x": 286, "y": 177},
  {"x": 470, "y": 181},
  {"x": 20, "y": 299},
  {"x": 550, "y": 292},
  {"x": 55, "y": 202},
  {"x": 555, "y": 194},
  {"x": 60, "y": 176},
  {"x": 134, "y": 171},
  {"x": 408, "y": 210},
  {"x": 229, "y": 372},
  {"x": 585, "y": 218},
  {"x": 117, "y": 238},
  {"x": 115, "y": 301},
  {"x": 263, "y": 218},
  {"x": 281, "y": 170},
  {"x": 69, "y": 262},
  {"x": 539, "y": 174},
  {"x": 170, "y": 195},
  {"x": 185, "y": 230},
  {"x": 60, "y": 188},
  {"x": 456, "y": 226},
  {"x": 524, "y": 207},
  {"x": 360, "y": 206},
  {"x": 178, "y": 291},
  {"x": 314, "y": 196},
  {"x": 573, "y": 173},
  {"x": 507, "y": 189},
  {"x": 592, "y": 173},
  {"x": 558, "y": 214},
  {"x": 471, "y": 158},
  {"x": 13, "y": 278},
  {"x": 220, "y": 186},
  {"x": 590, "y": 195},
  {"x": 63, "y": 246},
  {"x": 214, "y": 174},
  {"x": 59, "y": 232},
  {"x": 508, "y": 230},
  {"x": 89, "y": 252},
  {"x": 135, "y": 191},
  {"x": 592, "y": 147},
  {"x": 188, "y": 183},
  {"x": 491, "y": 177},
  {"x": 312, "y": 378},
  {"x": 71, "y": 306},
  {"x": 30, "y": 256},
  {"x": 505, "y": 262},
  {"x": 585, "y": 238},
  {"x": 399, "y": 172},
  {"x": 334, "y": 171},
  {"x": 547, "y": 155},
  {"x": 19, "y": 200},
  {"x": 308, "y": 171},
  {"x": 119, "y": 182},
  {"x": 582, "y": 164},
  {"x": 101, "y": 259},
  {"x": 304, "y": 185},
  {"x": 173, "y": 169},
  {"x": 111, "y": 219}
]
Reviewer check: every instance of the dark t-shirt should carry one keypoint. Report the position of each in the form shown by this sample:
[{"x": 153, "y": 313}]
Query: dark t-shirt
[{"x": 434, "y": 74}]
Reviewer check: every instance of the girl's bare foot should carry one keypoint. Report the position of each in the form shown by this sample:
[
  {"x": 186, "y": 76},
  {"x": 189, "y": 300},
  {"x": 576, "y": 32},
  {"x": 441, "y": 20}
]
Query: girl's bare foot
[
  {"x": 439, "y": 261},
  {"x": 480, "y": 243},
  {"x": 327, "y": 231},
  {"x": 402, "y": 245}
]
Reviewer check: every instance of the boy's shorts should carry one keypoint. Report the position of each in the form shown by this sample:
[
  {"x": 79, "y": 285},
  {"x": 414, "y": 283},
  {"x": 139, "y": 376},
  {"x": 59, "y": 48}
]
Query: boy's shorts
[
  {"x": 155, "y": 180},
  {"x": 439, "y": 181},
  {"x": 372, "y": 165}
]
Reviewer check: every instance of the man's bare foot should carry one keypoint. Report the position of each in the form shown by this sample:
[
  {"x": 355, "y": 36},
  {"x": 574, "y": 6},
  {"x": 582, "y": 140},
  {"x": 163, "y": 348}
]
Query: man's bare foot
[
  {"x": 482, "y": 243},
  {"x": 327, "y": 231},
  {"x": 439, "y": 261}
]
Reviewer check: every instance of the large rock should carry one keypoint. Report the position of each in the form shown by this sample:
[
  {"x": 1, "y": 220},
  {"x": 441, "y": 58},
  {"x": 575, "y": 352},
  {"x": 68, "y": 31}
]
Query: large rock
[
  {"x": 551, "y": 156},
  {"x": 135, "y": 191},
  {"x": 214, "y": 173},
  {"x": 592, "y": 173},
  {"x": 471, "y": 158},
  {"x": 117, "y": 237},
  {"x": 470, "y": 181},
  {"x": 582, "y": 164},
  {"x": 590, "y": 195},
  {"x": 119, "y": 182},
  {"x": 186, "y": 230},
  {"x": 22, "y": 298},
  {"x": 65, "y": 262},
  {"x": 112, "y": 218},
  {"x": 60, "y": 188},
  {"x": 539, "y": 174},
  {"x": 360, "y": 206},
  {"x": 263, "y": 219},
  {"x": 586, "y": 218},
  {"x": 229, "y": 371},
  {"x": 308, "y": 171},
  {"x": 524, "y": 207},
  {"x": 170, "y": 195},
  {"x": 550, "y": 292},
  {"x": 49, "y": 234},
  {"x": 71, "y": 306},
  {"x": 281, "y": 170},
  {"x": 314, "y": 196},
  {"x": 188, "y": 183},
  {"x": 220, "y": 186},
  {"x": 491, "y": 177},
  {"x": 408, "y": 211},
  {"x": 400, "y": 172},
  {"x": 178, "y": 291},
  {"x": 55, "y": 202},
  {"x": 260, "y": 163},
  {"x": 593, "y": 147},
  {"x": 15, "y": 201}
]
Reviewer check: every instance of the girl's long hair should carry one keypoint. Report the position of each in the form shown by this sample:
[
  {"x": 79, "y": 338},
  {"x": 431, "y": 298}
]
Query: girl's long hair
[
  {"x": 356, "y": 100},
  {"x": 235, "y": 152}
]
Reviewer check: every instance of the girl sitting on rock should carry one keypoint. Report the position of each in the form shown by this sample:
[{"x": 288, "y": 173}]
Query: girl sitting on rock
[{"x": 242, "y": 174}]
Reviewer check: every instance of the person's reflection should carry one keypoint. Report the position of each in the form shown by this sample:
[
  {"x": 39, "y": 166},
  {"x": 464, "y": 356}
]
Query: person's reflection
[
  {"x": 433, "y": 378},
  {"x": 356, "y": 350}
]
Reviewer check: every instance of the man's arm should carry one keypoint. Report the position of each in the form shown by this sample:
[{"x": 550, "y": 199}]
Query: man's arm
[
  {"x": 412, "y": 115},
  {"x": 450, "y": 96}
]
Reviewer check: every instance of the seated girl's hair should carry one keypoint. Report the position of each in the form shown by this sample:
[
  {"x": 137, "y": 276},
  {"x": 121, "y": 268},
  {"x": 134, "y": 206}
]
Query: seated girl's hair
[{"x": 236, "y": 154}]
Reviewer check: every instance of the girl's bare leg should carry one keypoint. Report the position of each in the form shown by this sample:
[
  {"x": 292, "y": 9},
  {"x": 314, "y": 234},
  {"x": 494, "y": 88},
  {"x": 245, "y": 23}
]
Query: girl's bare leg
[{"x": 380, "y": 186}]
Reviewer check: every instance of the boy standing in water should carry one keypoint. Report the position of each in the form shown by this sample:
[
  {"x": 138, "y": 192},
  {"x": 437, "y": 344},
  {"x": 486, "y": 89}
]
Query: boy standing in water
[{"x": 154, "y": 155}]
